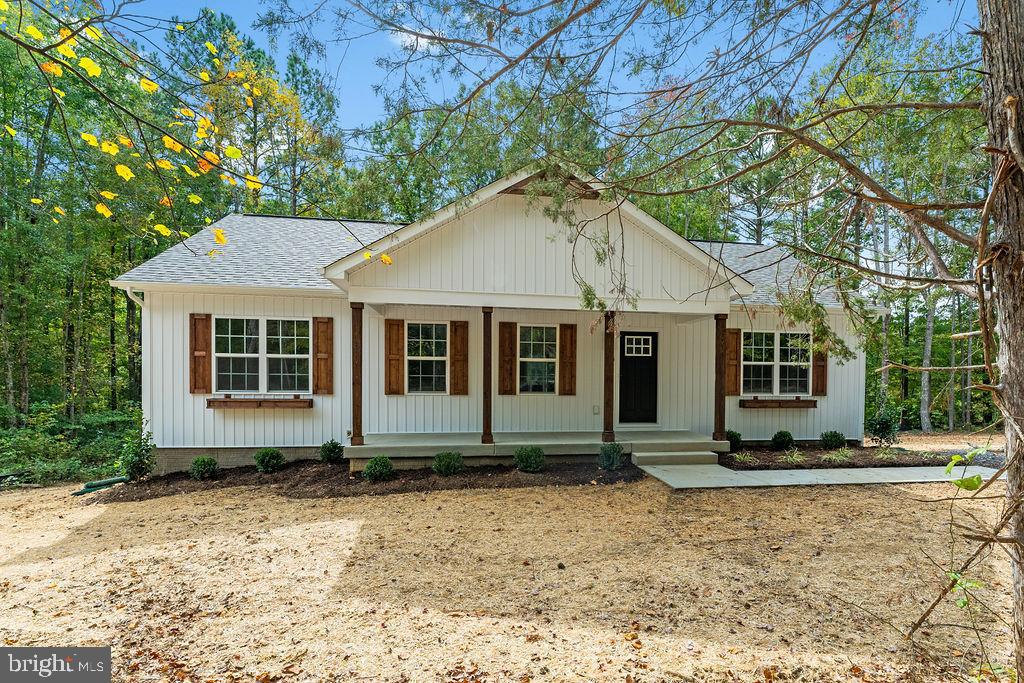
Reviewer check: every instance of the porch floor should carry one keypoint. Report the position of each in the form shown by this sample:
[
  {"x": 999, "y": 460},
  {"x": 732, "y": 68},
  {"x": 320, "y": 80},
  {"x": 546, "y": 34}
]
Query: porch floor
[{"x": 426, "y": 445}]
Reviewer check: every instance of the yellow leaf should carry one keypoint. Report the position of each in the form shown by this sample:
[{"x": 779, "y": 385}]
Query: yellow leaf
[
  {"x": 125, "y": 141},
  {"x": 214, "y": 252},
  {"x": 187, "y": 113},
  {"x": 211, "y": 157},
  {"x": 92, "y": 32},
  {"x": 204, "y": 76},
  {"x": 124, "y": 172},
  {"x": 228, "y": 179},
  {"x": 10, "y": 131},
  {"x": 102, "y": 210},
  {"x": 164, "y": 164},
  {"x": 166, "y": 201},
  {"x": 257, "y": 92},
  {"x": 148, "y": 85},
  {"x": 232, "y": 152},
  {"x": 195, "y": 199},
  {"x": 211, "y": 47},
  {"x": 110, "y": 148},
  {"x": 248, "y": 102},
  {"x": 52, "y": 68},
  {"x": 64, "y": 50},
  {"x": 219, "y": 237},
  {"x": 54, "y": 220},
  {"x": 36, "y": 200},
  {"x": 57, "y": 91},
  {"x": 252, "y": 182},
  {"x": 91, "y": 139},
  {"x": 3, "y": 6},
  {"x": 59, "y": 210},
  {"x": 216, "y": 61},
  {"x": 107, "y": 194},
  {"x": 172, "y": 144},
  {"x": 33, "y": 32},
  {"x": 162, "y": 229},
  {"x": 367, "y": 255},
  {"x": 179, "y": 27},
  {"x": 65, "y": 35},
  {"x": 92, "y": 69},
  {"x": 190, "y": 172},
  {"x": 386, "y": 260}
]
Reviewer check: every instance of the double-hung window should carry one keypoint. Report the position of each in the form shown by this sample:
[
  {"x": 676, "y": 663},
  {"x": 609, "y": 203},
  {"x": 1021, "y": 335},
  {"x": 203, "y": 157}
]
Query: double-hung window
[
  {"x": 262, "y": 355},
  {"x": 776, "y": 363},
  {"x": 538, "y": 354},
  {"x": 427, "y": 357}
]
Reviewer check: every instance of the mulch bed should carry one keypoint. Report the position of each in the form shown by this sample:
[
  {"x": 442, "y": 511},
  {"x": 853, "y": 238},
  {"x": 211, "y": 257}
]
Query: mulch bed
[
  {"x": 310, "y": 479},
  {"x": 768, "y": 459}
]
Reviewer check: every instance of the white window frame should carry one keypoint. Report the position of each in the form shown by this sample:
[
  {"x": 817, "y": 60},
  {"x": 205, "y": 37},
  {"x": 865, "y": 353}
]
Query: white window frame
[
  {"x": 520, "y": 360},
  {"x": 644, "y": 343},
  {"x": 446, "y": 357},
  {"x": 777, "y": 363},
  {"x": 264, "y": 368}
]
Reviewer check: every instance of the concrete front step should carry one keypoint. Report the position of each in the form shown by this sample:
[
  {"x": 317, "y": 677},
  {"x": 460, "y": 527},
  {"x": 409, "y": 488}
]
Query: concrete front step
[
  {"x": 679, "y": 446},
  {"x": 675, "y": 458}
]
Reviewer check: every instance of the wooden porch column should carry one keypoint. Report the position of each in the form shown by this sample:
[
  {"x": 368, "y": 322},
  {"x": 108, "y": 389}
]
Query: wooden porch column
[
  {"x": 357, "y": 373},
  {"x": 487, "y": 436},
  {"x": 608, "y": 433},
  {"x": 719, "y": 434}
]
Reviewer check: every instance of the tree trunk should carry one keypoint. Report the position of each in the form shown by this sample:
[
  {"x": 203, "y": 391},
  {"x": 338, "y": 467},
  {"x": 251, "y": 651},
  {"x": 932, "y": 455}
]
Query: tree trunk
[
  {"x": 926, "y": 361},
  {"x": 1002, "y": 34},
  {"x": 951, "y": 396},
  {"x": 904, "y": 373}
]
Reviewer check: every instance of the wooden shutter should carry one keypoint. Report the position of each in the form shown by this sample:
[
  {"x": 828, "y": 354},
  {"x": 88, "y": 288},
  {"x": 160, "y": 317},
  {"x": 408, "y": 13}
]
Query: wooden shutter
[
  {"x": 819, "y": 373},
  {"x": 200, "y": 353},
  {"x": 732, "y": 362},
  {"x": 323, "y": 355},
  {"x": 458, "y": 373},
  {"x": 567, "y": 359},
  {"x": 394, "y": 361},
  {"x": 506, "y": 358}
]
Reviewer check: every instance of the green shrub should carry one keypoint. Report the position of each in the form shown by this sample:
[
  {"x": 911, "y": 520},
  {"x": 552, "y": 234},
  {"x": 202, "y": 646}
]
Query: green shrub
[
  {"x": 203, "y": 467},
  {"x": 448, "y": 463},
  {"x": 745, "y": 458},
  {"x": 529, "y": 459},
  {"x": 782, "y": 441},
  {"x": 378, "y": 469},
  {"x": 832, "y": 440},
  {"x": 793, "y": 457},
  {"x": 886, "y": 454},
  {"x": 884, "y": 426},
  {"x": 268, "y": 460},
  {"x": 332, "y": 452},
  {"x": 840, "y": 456},
  {"x": 735, "y": 440},
  {"x": 137, "y": 459},
  {"x": 610, "y": 456}
]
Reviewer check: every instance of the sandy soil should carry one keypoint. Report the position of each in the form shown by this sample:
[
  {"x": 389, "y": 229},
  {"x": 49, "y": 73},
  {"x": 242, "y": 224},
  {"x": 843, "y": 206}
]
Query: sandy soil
[
  {"x": 627, "y": 582},
  {"x": 952, "y": 441}
]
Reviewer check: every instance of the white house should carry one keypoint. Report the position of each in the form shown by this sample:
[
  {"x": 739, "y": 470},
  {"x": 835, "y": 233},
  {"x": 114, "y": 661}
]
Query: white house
[{"x": 473, "y": 338}]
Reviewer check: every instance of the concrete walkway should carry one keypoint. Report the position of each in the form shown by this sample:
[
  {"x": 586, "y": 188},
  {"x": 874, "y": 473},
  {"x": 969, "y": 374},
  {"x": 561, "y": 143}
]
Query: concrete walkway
[{"x": 717, "y": 477}]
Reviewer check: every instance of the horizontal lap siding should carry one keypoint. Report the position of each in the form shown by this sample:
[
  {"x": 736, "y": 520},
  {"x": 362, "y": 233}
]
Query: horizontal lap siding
[
  {"x": 179, "y": 419},
  {"x": 842, "y": 409},
  {"x": 504, "y": 246}
]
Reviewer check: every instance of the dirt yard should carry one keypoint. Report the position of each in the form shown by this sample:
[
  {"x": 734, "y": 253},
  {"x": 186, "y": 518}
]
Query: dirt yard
[{"x": 622, "y": 582}]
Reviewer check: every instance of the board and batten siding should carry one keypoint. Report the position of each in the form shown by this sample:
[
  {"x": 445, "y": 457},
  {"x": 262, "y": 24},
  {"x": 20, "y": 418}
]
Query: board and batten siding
[
  {"x": 841, "y": 409},
  {"x": 179, "y": 419},
  {"x": 505, "y": 246}
]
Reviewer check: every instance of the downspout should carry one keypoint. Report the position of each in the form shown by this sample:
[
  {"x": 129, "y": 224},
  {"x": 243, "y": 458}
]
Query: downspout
[{"x": 130, "y": 293}]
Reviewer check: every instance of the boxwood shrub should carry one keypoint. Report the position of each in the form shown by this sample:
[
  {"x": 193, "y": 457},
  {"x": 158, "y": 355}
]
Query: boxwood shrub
[
  {"x": 610, "y": 456},
  {"x": 735, "y": 440},
  {"x": 529, "y": 458},
  {"x": 332, "y": 452},
  {"x": 448, "y": 463},
  {"x": 378, "y": 468},
  {"x": 833, "y": 440},
  {"x": 203, "y": 467},
  {"x": 782, "y": 441},
  {"x": 268, "y": 460}
]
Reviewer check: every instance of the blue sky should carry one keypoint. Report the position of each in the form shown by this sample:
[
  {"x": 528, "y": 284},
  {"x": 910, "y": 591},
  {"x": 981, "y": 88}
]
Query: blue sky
[{"x": 353, "y": 67}]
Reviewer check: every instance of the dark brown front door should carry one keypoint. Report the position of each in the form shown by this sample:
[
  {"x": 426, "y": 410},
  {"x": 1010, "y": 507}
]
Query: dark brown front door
[{"x": 638, "y": 377}]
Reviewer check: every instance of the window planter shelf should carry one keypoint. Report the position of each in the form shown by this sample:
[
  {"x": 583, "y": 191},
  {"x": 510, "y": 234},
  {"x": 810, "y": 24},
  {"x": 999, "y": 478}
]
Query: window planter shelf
[
  {"x": 249, "y": 403},
  {"x": 778, "y": 403}
]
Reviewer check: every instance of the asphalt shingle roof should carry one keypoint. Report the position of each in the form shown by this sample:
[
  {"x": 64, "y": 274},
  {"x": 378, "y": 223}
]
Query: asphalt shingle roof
[
  {"x": 262, "y": 251},
  {"x": 285, "y": 252},
  {"x": 770, "y": 269}
]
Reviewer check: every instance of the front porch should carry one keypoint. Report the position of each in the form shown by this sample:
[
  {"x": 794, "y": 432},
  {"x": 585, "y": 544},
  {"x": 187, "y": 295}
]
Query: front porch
[{"x": 410, "y": 450}]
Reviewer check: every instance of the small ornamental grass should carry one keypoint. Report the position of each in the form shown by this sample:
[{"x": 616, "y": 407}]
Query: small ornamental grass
[
  {"x": 886, "y": 454},
  {"x": 529, "y": 459},
  {"x": 448, "y": 463},
  {"x": 832, "y": 440},
  {"x": 839, "y": 456},
  {"x": 378, "y": 469},
  {"x": 793, "y": 457},
  {"x": 268, "y": 460},
  {"x": 746, "y": 458},
  {"x": 735, "y": 440},
  {"x": 203, "y": 467},
  {"x": 610, "y": 456},
  {"x": 332, "y": 452},
  {"x": 782, "y": 441}
]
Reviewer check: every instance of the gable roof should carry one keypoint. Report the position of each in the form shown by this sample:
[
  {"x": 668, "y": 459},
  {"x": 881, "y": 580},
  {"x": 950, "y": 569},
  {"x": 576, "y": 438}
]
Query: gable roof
[
  {"x": 771, "y": 269},
  {"x": 274, "y": 252}
]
